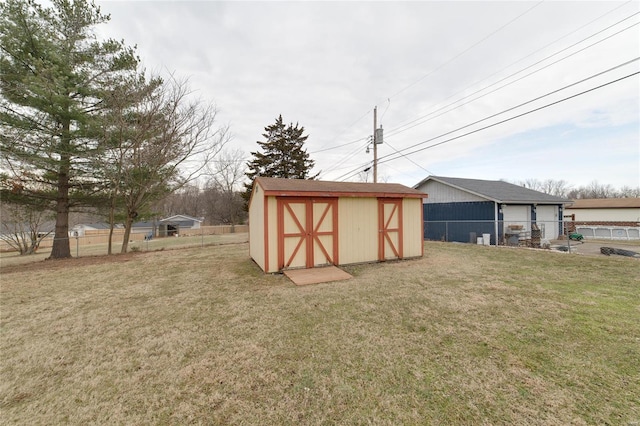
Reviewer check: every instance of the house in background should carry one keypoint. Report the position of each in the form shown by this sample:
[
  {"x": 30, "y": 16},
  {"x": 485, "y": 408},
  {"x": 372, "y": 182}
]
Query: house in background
[
  {"x": 80, "y": 229},
  {"x": 605, "y": 211},
  {"x": 460, "y": 209},
  {"x": 167, "y": 227},
  {"x": 609, "y": 218},
  {"x": 171, "y": 226},
  {"x": 296, "y": 223}
]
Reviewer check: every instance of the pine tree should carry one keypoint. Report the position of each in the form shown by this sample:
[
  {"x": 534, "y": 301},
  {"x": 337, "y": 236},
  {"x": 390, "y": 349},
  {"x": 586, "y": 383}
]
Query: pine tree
[
  {"x": 283, "y": 155},
  {"x": 54, "y": 77}
]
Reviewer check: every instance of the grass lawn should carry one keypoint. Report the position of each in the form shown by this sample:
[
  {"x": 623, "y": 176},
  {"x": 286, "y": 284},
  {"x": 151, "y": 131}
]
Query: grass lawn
[{"x": 466, "y": 335}]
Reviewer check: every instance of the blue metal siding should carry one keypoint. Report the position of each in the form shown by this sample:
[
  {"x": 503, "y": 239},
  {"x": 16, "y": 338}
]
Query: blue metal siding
[{"x": 456, "y": 221}]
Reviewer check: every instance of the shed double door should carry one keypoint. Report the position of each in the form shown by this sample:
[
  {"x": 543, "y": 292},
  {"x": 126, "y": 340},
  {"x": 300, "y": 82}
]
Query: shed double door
[{"x": 307, "y": 232}]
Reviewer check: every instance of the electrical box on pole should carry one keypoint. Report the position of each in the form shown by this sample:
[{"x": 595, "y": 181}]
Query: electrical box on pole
[
  {"x": 375, "y": 144},
  {"x": 379, "y": 135}
]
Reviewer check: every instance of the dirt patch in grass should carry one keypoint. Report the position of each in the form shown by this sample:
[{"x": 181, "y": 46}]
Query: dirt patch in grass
[{"x": 466, "y": 335}]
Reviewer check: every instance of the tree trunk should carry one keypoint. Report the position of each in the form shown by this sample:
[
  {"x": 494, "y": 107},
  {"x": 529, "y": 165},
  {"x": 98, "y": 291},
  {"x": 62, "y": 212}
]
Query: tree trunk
[
  {"x": 61, "y": 248},
  {"x": 127, "y": 233},
  {"x": 111, "y": 224}
]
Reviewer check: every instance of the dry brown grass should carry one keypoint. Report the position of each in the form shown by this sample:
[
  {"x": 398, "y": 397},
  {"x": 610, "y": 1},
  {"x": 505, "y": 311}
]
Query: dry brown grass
[{"x": 467, "y": 335}]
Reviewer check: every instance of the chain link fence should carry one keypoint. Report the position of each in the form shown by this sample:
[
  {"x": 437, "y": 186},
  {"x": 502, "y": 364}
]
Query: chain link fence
[
  {"x": 94, "y": 243},
  {"x": 491, "y": 232}
]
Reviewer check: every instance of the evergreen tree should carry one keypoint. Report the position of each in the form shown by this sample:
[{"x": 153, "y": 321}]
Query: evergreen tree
[
  {"x": 283, "y": 155},
  {"x": 54, "y": 77}
]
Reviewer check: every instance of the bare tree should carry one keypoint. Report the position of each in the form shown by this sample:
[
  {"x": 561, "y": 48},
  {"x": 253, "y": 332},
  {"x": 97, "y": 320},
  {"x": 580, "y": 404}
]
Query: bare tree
[
  {"x": 365, "y": 175},
  {"x": 224, "y": 201},
  {"x": 594, "y": 190},
  {"x": 24, "y": 227},
  {"x": 188, "y": 200},
  {"x": 559, "y": 188},
  {"x": 530, "y": 183},
  {"x": 228, "y": 170},
  {"x": 169, "y": 140},
  {"x": 629, "y": 192}
]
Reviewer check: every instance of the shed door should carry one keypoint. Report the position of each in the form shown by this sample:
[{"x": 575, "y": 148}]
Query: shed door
[
  {"x": 307, "y": 232},
  {"x": 389, "y": 229}
]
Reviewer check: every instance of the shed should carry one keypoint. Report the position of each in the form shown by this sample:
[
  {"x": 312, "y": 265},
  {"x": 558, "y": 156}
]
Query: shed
[
  {"x": 295, "y": 223},
  {"x": 458, "y": 209}
]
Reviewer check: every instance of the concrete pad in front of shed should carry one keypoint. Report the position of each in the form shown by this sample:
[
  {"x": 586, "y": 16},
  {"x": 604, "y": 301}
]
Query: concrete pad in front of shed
[{"x": 316, "y": 275}]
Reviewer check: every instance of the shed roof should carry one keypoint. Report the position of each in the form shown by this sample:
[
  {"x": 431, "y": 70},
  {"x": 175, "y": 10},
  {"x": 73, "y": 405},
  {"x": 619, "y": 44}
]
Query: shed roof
[
  {"x": 606, "y": 203},
  {"x": 497, "y": 190},
  {"x": 319, "y": 188}
]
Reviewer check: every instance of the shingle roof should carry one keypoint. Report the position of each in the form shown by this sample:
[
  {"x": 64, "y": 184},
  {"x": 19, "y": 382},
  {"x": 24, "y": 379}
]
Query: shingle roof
[
  {"x": 606, "y": 203},
  {"x": 498, "y": 191},
  {"x": 319, "y": 188}
]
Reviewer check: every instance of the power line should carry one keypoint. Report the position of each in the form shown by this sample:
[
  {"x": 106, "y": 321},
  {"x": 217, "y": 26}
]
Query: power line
[
  {"x": 525, "y": 57},
  {"x": 505, "y": 120},
  {"x": 338, "y": 146},
  {"x": 388, "y": 158},
  {"x": 398, "y": 129},
  {"x": 348, "y": 143},
  {"x": 467, "y": 49},
  {"x": 352, "y": 173},
  {"x": 429, "y": 73},
  {"x": 399, "y": 152},
  {"x": 406, "y": 127},
  {"x": 523, "y": 104},
  {"x": 345, "y": 159}
]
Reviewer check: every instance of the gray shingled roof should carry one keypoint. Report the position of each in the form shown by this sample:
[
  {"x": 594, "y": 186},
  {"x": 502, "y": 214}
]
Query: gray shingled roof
[{"x": 497, "y": 190}]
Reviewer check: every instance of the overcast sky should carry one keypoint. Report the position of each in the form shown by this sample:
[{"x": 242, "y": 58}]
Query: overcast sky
[{"x": 325, "y": 65}]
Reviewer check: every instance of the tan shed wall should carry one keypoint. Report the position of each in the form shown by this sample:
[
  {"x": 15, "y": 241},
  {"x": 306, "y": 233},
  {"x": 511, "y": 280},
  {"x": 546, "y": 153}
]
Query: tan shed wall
[
  {"x": 357, "y": 230},
  {"x": 272, "y": 231},
  {"x": 412, "y": 227},
  {"x": 256, "y": 227}
]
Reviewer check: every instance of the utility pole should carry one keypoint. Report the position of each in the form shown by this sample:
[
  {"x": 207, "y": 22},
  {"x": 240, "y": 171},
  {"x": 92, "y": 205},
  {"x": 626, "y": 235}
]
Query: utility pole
[{"x": 375, "y": 145}]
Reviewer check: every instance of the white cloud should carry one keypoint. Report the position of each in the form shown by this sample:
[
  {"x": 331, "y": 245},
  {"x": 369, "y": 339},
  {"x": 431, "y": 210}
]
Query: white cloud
[{"x": 326, "y": 64}]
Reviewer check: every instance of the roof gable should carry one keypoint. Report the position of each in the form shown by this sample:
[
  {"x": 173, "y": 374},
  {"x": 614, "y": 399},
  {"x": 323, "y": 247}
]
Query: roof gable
[
  {"x": 497, "y": 190},
  {"x": 180, "y": 217}
]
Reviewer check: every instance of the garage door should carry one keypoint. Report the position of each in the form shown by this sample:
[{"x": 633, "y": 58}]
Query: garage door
[
  {"x": 517, "y": 215},
  {"x": 547, "y": 220},
  {"x": 307, "y": 232}
]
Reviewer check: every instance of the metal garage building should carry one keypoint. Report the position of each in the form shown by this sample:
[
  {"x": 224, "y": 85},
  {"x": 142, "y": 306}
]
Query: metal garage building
[
  {"x": 295, "y": 223},
  {"x": 458, "y": 208}
]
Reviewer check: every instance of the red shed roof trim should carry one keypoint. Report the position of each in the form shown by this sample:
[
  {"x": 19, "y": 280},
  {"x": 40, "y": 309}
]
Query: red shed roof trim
[{"x": 318, "y": 188}]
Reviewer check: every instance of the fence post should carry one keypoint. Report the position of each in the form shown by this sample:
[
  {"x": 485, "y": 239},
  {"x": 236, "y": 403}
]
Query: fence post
[{"x": 76, "y": 235}]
